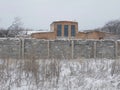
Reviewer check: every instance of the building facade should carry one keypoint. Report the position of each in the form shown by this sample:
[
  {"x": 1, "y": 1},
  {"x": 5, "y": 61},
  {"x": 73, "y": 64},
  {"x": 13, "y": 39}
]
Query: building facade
[
  {"x": 67, "y": 30},
  {"x": 64, "y": 29},
  {"x": 59, "y": 30}
]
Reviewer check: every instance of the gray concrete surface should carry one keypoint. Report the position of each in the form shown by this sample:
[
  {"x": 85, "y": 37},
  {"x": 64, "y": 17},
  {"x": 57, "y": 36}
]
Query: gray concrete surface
[{"x": 58, "y": 49}]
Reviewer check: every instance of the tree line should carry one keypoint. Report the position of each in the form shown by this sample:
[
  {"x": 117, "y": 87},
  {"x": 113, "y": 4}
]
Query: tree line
[
  {"x": 15, "y": 29},
  {"x": 112, "y": 27}
]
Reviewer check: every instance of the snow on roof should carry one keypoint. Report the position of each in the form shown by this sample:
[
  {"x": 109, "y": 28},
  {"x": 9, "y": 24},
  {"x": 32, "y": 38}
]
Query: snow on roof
[{"x": 36, "y": 31}]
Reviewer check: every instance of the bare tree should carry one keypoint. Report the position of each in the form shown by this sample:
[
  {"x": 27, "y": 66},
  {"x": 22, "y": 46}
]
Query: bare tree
[
  {"x": 3, "y": 32},
  {"x": 112, "y": 27},
  {"x": 16, "y": 28}
]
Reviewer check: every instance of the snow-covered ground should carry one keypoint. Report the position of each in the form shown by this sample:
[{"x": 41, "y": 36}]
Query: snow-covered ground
[{"x": 88, "y": 74}]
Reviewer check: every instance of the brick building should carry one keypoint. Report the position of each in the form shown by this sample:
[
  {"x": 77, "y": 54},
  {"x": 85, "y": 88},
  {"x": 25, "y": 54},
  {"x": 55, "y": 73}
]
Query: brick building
[{"x": 67, "y": 30}]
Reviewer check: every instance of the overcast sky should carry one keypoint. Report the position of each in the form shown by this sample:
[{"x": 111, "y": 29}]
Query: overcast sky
[{"x": 39, "y": 14}]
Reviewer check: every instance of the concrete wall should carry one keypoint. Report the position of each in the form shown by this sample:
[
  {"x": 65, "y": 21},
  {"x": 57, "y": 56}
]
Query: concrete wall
[
  {"x": 34, "y": 49},
  {"x": 83, "y": 49},
  {"x": 10, "y": 48},
  {"x": 58, "y": 49}
]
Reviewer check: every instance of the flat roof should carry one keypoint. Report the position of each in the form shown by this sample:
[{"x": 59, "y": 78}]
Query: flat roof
[
  {"x": 64, "y": 22},
  {"x": 36, "y": 31}
]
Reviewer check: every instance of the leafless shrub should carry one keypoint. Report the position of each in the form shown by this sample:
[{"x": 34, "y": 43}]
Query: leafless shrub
[
  {"x": 115, "y": 68},
  {"x": 112, "y": 27}
]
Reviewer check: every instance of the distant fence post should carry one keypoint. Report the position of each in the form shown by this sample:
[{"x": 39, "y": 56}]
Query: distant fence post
[
  {"x": 22, "y": 48},
  {"x": 94, "y": 50},
  {"x": 72, "y": 49},
  {"x": 48, "y": 46},
  {"x": 116, "y": 50}
]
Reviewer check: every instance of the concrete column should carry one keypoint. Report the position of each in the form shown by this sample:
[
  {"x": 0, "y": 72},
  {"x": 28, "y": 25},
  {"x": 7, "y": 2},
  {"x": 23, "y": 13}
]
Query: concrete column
[
  {"x": 22, "y": 48},
  {"x": 72, "y": 49},
  {"x": 116, "y": 50},
  {"x": 48, "y": 46},
  {"x": 20, "y": 45},
  {"x": 94, "y": 50}
]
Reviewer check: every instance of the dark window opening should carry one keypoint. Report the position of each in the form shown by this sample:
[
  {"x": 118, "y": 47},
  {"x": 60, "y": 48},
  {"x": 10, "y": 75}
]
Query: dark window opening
[
  {"x": 66, "y": 30},
  {"x": 59, "y": 30},
  {"x": 73, "y": 30}
]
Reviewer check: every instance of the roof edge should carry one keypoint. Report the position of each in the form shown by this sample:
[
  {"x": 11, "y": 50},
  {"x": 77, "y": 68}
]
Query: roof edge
[{"x": 64, "y": 22}]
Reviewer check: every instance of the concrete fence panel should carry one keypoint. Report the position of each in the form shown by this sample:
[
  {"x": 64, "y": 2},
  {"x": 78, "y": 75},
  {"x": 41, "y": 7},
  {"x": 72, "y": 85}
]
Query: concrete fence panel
[
  {"x": 10, "y": 48},
  {"x": 105, "y": 49},
  {"x": 58, "y": 49},
  {"x": 35, "y": 49},
  {"x": 83, "y": 49}
]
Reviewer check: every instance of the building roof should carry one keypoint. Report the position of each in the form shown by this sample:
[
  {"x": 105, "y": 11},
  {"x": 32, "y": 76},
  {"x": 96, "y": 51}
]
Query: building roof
[
  {"x": 36, "y": 31},
  {"x": 64, "y": 22}
]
